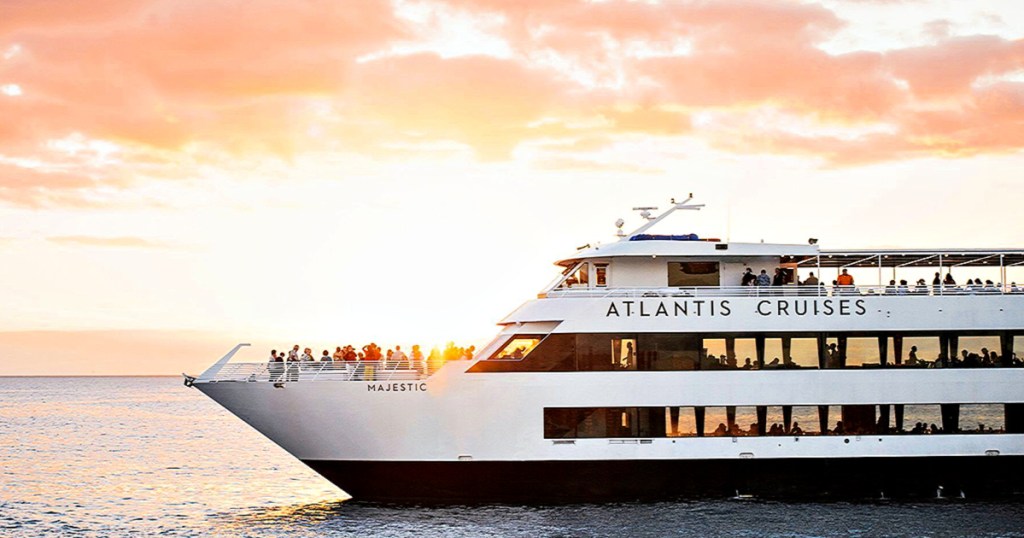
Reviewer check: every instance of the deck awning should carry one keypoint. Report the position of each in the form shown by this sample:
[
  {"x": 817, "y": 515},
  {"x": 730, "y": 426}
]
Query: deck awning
[{"x": 911, "y": 258}]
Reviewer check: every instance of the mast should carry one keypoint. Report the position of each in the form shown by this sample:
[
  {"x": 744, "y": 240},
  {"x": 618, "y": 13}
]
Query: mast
[{"x": 645, "y": 212}]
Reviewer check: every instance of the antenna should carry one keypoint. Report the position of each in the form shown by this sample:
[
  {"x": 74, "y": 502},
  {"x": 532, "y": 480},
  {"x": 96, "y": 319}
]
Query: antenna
[{"x": 645, "y": 212}]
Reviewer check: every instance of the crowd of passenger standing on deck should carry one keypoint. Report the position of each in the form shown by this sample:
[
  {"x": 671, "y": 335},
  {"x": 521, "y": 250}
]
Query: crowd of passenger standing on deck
[
  {"x": 287, "y": 366},
  {"x": 844, "y": 284}
]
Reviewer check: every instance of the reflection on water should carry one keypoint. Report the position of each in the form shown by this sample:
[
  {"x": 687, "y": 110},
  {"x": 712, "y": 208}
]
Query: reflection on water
[{"x": 146, "y": 456}]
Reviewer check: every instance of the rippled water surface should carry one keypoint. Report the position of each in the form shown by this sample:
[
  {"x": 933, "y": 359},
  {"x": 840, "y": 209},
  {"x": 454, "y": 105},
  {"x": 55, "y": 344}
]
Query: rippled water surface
[{"x": 146, "y": 456}]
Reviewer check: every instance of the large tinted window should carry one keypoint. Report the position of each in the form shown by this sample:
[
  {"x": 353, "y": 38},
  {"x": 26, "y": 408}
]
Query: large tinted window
[
  {"x": 686, "y": 274},
  {"x": 555, "y": 353},
  {"x": 669, "y": 351}
]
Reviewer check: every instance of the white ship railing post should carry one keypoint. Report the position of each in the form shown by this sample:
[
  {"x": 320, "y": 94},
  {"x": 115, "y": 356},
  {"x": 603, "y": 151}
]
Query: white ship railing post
[{"x": 942, "y": 279}]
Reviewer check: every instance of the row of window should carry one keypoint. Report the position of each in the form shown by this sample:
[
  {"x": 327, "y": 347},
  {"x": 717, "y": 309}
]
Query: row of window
[
  {"x": 680, "y": 274},
  {"x": 651, "y": 422},
  {"x": 682, "y": 351}
]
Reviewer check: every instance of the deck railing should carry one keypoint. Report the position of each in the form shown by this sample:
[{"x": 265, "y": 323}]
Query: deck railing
[
  {"x": 784, "y": 291},
  {"x": 302, "y": 371}
]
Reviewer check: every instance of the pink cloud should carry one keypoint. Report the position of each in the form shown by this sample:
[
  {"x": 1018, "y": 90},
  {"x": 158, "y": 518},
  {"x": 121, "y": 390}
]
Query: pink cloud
[{"x": 159, "y": 76}]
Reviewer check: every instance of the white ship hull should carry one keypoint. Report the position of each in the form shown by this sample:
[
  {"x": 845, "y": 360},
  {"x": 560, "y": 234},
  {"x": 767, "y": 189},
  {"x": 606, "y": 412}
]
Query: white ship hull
[{"x": 449, "y": 437}]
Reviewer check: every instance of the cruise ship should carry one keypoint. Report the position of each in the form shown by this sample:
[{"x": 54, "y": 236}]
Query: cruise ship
[{"x": 665, "y": 366}]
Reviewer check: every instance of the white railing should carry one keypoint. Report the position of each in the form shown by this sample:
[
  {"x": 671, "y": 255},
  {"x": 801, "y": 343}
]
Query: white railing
[
  {"x": 782, "y": 291},
  {"x": 301, "y": 371}
]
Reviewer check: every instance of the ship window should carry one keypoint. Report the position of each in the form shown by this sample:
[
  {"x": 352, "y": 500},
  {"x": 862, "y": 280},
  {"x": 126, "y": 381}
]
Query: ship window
[
  {"x": 669, "y": 351},
  {"x": 778, "y": 420},
  {"x": 605, "y": 352},
  {"x": 517, "y": 348},
  {"x": 688, "y": 274},
  {"x": 579, "y": 278},
  {"x": 624, "y": 353},
  {"x": 554, "y": 353},
  {"x": 601, "y": 275}
]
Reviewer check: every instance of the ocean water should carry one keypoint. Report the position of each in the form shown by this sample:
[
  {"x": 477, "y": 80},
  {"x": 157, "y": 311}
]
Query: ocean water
[{"x": 149, "y": 457}]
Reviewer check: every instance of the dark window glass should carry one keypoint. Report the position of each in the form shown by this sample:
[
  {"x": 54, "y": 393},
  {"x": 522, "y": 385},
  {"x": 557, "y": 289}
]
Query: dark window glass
[
  {"x": 686, "y": 274},
  {"x": 561, "y": 423},
  {"x": 776, "y": 420},
  {"x": 669, "y": 351}
]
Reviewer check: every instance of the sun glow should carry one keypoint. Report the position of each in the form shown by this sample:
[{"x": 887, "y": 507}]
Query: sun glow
[{"x": 406, "y": 172}]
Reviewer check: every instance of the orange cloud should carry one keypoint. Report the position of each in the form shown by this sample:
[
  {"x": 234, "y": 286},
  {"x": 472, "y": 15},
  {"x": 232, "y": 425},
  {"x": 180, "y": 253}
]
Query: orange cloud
[{"x": 178, "y": 82}]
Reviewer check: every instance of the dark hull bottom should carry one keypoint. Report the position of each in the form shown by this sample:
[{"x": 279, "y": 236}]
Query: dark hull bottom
[{"x": 590, "y": 481}]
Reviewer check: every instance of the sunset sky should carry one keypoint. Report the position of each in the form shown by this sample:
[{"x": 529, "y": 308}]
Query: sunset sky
[{"x": 178, "y": 176}]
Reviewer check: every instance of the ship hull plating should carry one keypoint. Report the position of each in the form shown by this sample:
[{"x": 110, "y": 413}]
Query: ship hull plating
[{"x": 626, "y": 480}]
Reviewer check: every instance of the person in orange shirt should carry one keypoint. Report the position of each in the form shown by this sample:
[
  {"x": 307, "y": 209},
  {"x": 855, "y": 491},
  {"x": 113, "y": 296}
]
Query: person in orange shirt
[{"x": 845, "y": 280}]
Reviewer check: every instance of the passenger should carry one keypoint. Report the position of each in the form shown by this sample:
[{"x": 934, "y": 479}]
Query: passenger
[
  {"x": 754, "y": 430},
  {"x": 780, "y": 277},
  {"x": 774, "y": 363},
  {"x": 274, "y": 367},
  {"x": 401, "y": 360},
  {"x": 839, "y": 429},
  {"x": 921, "y": 288},
  {"x": 1014, "y": 288},
  {"x": 990, "y": 287},
  {"x": 936, "y": 283},
  {"x": 734, "y": 430},
  {"x": 948, "y": 281},
  {"x": 811, "y": 280},
  {"x": 845, "y": 282},
  {"x": 747, "y": 365},
  {"x": 796, "y": 429},
  {"x": 912, "y": 358},
  {"x": 902, "y": 289},
  {"x": 720, "y": 431},
  {"x": 293, "y": 365},
  {"x": 891, "y": 288},
  {"x": 339, "y": 355},
  {"x": 935, "y": 429},
  {"x": 775, "y": 429},
  {"x": 467, "y": 354},
  {"x": 748, "y": 278},
  {"x": 326, "y": 357},
  {"x": 763, "y": 279},
  {"x": 417, "y": 358},
  {"x": 434, "y": 359},
  {"x": 307, "y": 355},
  {"x": 833, "y": 356}
]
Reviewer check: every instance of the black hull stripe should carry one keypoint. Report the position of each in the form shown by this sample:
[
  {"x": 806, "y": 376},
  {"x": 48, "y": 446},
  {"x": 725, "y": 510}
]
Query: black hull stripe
[{"x": 590, "y": 481}]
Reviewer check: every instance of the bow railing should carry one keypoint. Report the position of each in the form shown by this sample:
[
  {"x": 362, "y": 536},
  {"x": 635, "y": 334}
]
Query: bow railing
[{"x": 302, "y": 371}]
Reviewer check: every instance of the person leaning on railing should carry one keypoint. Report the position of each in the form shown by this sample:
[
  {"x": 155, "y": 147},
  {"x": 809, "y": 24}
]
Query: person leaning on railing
[{"x": 845, "y": 282}]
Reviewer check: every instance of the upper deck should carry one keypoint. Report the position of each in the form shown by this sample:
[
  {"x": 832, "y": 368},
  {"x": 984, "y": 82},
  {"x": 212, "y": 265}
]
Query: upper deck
[{"x": 645, "y": 265}]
